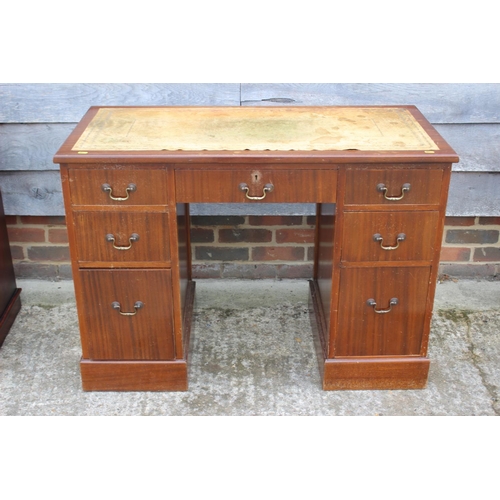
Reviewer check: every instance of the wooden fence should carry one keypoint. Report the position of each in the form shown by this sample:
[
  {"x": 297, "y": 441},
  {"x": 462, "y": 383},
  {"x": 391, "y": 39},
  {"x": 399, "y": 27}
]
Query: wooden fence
[{"x": 36, "y": 118}]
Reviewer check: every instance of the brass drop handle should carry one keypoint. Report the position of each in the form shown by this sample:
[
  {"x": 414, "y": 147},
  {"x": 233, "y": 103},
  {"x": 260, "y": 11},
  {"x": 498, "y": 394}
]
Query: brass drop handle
[
  {"x": 378, "y": 238},
  {"x": 393, "y": 302},
  {"x": 383, "y": 189},
  {"x": 130, "y": 189},
  {"x": 138, "y": 305},
  {"x": 267, "y": 188},
  {"x": 133, "y": 237}
]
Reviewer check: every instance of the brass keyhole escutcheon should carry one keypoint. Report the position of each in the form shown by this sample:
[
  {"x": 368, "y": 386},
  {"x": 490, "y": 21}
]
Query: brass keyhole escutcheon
[{"x": 256, "y": 177}]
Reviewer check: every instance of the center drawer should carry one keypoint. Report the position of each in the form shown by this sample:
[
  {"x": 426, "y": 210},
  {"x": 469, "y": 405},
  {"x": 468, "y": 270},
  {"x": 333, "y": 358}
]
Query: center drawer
[
  {"x": 116, "y": 237},
  {"x": 256, "y": 185}
]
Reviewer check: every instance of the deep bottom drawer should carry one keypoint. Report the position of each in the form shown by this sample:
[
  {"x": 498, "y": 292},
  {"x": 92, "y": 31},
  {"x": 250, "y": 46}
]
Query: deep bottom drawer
[
  {"x": 368, "y": 324},
  {"x": 126, "y": 315}
]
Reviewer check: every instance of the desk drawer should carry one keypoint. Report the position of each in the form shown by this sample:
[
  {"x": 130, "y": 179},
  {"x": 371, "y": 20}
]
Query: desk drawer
[
  {"x": 405, "y": 186},
  {"x": 128, "y": 186},
  {"x": 122, "y": 237},
  {"x": 126, "y": 314},
  {"x": 254, "y": 185},
  {"x": 362, "y": 331},
  {"x": 389, "y": 236}
]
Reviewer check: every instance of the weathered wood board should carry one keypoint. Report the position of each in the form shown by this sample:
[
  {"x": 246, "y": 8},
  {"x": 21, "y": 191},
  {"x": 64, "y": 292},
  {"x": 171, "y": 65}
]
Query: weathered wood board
[
  {"x": 31, "y": 146},
  {"x": 36, "y": 118},
  {"x": 60, "y": 103},
  {"x": 474, "y": 194},
  {"x": 32, "y": 193},
  {"x": 477, "y": 145},
  {"x": 439, "y": 102},
  {"x": 68, "y": 102}
]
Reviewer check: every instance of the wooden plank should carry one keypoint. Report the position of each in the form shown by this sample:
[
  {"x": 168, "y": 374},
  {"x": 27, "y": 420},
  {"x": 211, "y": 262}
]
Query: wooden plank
[
  {"x": 375, "y": 373},
  {"x": 478, "y": 146},
  {"x": 474, "y": 194},
  {"x": 68, "y": 102},
  {"x": 32, "y": 193},
  {"x": 134, "y": 375},
  {"x": 32, "y": 146},
  {"x": 439, "y": 102}
]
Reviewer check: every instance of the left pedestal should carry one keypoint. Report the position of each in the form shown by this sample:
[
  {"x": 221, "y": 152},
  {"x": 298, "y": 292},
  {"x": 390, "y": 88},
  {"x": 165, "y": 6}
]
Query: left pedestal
[{"x": 128, "y": 243}]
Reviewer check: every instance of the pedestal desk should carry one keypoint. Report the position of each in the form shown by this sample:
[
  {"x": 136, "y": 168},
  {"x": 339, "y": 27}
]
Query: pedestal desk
[{"x": 379, "y": 177}]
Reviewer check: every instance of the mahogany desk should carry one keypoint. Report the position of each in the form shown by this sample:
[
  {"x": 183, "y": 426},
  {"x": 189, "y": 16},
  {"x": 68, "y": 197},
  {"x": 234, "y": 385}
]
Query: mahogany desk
[{"x": 379, "y": 177}]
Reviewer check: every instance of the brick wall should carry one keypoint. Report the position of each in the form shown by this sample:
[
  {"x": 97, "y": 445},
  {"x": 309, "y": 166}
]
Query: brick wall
[
  {"x": 471, "y": 247},
  {"x": 39, "y": 247},
  {"x": 253, "y": 247}
]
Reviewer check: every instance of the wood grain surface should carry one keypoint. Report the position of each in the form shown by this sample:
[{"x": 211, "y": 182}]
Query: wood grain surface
[
  {"x": 439, "y": 102},
  {"x": 362, "y": 331},
  {"x": 111, "y": 336},
  {"x": 68, "y": 102},
  {"x": 419, "y": 229}
]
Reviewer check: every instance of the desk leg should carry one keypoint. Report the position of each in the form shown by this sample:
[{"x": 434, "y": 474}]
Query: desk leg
[{"x": 321, "y": 286}]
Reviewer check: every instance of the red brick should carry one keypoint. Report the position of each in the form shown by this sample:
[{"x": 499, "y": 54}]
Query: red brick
[
  {"x": 46, "y": 220},
  {"x": 245, "y": 235},
  {"x": 17, "y": 252},
  {"x": 277, "y": 253},
  {"x": 275, "y": 220},
  {"x": 199, "y": 235},
  {"x": 487, "y": 254},
  {"x": 459, "y": 221},
  {"x": 11, "y": 220},
  {"x": 494, "y": 221},
  {"x": 295, "y": 236},
  {"x": 49, "y": 253},
  {"x": 26, "y": 234},
  {"x": 221, "y": 253},
  {"x": 479, "y": 236},
  {"x": 58, "y": 236},
  {"x": 454, "y": 254},
  {"x": 310, "y": 253}
]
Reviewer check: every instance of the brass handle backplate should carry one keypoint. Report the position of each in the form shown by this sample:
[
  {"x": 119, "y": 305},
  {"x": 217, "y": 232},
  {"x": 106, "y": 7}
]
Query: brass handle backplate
[
  {"x": 108, "y": 189},
  {"x": 267, "y": 188},
  {"x": 378, "y": 238},
  {"x": 133, "y": 237},
  {"x": 393, "y": 302},
  {"x": 383, "y": 189},
  {"x": 138, "y": 305}
]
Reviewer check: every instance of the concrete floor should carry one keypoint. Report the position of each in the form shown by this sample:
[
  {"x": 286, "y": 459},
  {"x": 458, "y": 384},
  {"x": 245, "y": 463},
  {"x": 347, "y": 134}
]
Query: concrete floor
[{"x": 252, "y": 353}]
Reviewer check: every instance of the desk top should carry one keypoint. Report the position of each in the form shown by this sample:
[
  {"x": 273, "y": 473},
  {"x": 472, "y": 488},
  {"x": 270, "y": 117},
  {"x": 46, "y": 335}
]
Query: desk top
[{"x": 197, "y": 133}]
